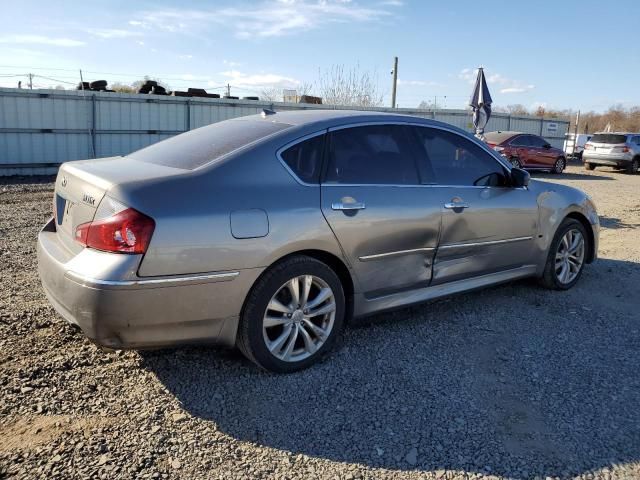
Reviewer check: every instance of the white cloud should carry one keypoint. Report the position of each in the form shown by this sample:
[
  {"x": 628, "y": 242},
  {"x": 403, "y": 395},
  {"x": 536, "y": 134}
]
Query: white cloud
[
  {"x": 40, "y": 40},
  {"x": 185, "y": 57},
  {"x": 231, "y": 64},
  {"x": 259, "y": 80},
  {"x": 267, "y": 19},
  {"x": 505, "y": 84},
  {"x": 112, "y": 33}
]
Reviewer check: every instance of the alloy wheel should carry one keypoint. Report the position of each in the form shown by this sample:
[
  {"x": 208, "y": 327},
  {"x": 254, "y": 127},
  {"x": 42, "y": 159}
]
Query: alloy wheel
[
  {"x": 299, "y": 318},
  {"x": 569, "y": 256},
  {"x": 516, "y": 163},
  {"x": 559, "y": 167}
]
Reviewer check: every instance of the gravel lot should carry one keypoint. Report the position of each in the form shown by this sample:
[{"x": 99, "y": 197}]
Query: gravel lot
[{"x": 514, "y": 381}]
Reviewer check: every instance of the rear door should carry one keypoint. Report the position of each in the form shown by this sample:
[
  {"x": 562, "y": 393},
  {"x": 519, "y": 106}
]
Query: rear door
[
  {"x": 487, "y": 226},
  {"x": 373, "y": 197},
  {"x": 520, "y": 145}
]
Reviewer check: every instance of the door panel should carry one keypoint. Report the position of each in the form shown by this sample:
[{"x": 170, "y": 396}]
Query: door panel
[
  {"x": 391, "y": 242},
  {"x": 494, "y": 232},
  {"x": 384, "y": 219}
]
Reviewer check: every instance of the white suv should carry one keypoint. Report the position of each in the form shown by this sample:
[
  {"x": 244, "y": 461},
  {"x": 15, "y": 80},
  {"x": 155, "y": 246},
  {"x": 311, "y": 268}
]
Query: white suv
[{"x": 618, "y": 150}]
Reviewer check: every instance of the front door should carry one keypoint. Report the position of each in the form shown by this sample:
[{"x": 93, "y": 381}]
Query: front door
[
  {"x": 385, "y": 220},
  {"x": 487, "y": 226}
]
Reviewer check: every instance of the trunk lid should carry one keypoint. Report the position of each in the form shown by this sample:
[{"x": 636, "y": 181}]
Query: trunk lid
[{"x": 81, "y": 186}]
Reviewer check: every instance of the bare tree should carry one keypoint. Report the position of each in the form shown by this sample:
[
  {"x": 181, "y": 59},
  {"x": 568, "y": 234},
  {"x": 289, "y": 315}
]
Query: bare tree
[
  {"x": 122, "y": 88},
  {"x": 349, "y": 87},
  {"x": 271, "y": 94}
]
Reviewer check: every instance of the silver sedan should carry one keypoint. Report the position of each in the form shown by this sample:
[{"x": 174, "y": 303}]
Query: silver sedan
[{"x": 270, "y": 232}]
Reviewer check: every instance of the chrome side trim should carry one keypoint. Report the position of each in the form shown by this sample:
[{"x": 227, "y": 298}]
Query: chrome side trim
[
  {"x": 368, "y": 258},
  {"x": 151, "y": 282},
  {"x": 481, "y": 244},
  {"x": 366, "y": 306}
]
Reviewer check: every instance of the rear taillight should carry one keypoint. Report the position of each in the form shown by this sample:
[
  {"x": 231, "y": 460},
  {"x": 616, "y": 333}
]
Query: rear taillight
[
  {"x": 624, "y": 149},
  {"x": 125, "y": 230}
]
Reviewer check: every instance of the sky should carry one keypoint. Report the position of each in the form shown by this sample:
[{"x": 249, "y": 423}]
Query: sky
[{"x": 567, "y": 54}]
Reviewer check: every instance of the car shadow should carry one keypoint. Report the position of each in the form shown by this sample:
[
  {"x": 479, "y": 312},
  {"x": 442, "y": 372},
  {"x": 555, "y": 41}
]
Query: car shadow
[
  {"x": 568, "y": 176},
  {"x": 615, "y": 223},
  {"x": 514, "y": 380}
]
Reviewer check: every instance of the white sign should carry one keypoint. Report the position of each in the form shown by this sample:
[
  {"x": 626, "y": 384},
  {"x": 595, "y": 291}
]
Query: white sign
[{"x": 552, "y": 127}]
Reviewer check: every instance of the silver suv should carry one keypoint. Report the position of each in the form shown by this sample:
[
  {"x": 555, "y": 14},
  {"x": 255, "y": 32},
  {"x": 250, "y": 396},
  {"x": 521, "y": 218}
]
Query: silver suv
[{"x": 618, "y": 150}]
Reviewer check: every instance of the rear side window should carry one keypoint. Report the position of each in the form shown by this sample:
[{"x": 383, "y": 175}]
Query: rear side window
[
  {"x": 521, "y": 141},
  {"x": 198, "y": 147},
  {"x": 377, "y": 154},
  {"x": 608, "y": 138},
  {"x": 456, "y": 160},
  {"x": 305, "y": 159}
]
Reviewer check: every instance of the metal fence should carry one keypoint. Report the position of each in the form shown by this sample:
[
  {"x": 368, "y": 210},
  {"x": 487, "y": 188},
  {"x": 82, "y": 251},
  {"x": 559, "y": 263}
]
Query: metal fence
[{"x": 39, "y": 129}]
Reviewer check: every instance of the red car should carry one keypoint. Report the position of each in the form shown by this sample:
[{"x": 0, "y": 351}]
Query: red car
[{"x": 528, "y": 151}]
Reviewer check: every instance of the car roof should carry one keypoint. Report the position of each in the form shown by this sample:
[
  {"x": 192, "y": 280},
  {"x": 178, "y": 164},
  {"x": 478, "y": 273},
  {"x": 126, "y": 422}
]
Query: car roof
[
  {"x": 501, "y": 135},
  {"x": 321, "y": 118}
]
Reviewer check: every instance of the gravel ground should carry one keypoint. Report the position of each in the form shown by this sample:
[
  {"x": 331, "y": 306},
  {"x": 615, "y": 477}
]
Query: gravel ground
[{"x": 514, "y": 381}]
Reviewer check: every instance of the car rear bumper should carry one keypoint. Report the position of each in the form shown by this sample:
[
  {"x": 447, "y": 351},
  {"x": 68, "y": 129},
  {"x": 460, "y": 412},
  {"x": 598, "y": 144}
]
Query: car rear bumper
[
  {"x": 101, "y": 293},
  {"x": 620, "y": 160}
]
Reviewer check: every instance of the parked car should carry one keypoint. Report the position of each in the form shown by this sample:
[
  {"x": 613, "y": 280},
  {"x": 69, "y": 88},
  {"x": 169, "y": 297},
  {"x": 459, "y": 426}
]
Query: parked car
[
  {"x": 524, "y": 150},
  {"x": 270, "y": 232},
  {"x": 618, "y": 150},
  {"x": 573, "y": 145}
]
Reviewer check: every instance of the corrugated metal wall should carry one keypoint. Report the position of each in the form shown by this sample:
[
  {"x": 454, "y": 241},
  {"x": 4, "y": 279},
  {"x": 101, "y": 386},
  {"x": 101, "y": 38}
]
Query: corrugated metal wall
[{"x": 47, "y": 127}]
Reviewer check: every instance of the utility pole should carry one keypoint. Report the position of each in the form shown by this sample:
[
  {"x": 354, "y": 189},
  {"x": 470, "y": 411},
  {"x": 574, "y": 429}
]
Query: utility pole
[
  {"x": 31, "y": 81},
  {"x": 228, "y": 90},
  {"x": 394, "y": 72}
]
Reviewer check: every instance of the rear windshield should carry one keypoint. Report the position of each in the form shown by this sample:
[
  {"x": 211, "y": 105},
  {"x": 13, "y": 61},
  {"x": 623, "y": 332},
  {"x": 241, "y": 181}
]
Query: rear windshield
[
  {"x": 608, "y": 138},
  {"x": 198, "y": 147}
]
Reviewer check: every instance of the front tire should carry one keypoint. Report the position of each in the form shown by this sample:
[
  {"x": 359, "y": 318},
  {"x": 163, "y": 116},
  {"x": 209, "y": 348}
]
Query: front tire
[
  {"x": 590, "y": 166},
  {"x": 567, "y": 256},
  {"x": 515, "y": 162},
  {"x": 292, "y": 316},
  {"x": 559, "y": 166},
  {"x": 633, "y": 166}
]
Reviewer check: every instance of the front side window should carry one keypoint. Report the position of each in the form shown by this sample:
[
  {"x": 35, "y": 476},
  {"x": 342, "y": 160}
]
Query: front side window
[
  {"x": 456, "y": 160},
  {"x": 375, "y": 154},
  {"x": 537, "y": 142},
  {"x": 305, "y": 158}
]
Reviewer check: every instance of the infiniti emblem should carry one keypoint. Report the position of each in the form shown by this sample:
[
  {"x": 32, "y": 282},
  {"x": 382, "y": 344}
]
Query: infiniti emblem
[{"x": 64, "y": 181}]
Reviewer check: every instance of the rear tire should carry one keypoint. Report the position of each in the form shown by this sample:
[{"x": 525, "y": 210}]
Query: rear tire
[
  {"x": 633, "y": 166},
  {"x": 589, "y": 166},
  {"x": 280, "y": 332},
  {"x": 559, "y": 166},
  {"x": 565, "y": 261}
]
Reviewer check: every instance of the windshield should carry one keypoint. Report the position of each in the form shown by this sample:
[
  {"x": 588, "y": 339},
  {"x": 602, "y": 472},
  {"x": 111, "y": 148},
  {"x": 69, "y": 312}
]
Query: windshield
[
  {"x": 198, "y": 147},
  {"x": 608, "y": 138}
]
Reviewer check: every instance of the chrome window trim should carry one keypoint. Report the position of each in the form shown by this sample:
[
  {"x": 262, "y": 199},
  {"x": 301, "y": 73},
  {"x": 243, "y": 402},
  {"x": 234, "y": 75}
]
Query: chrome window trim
[
  {"x": 151, "y": 282},
  {"x": 377, "y": 256},
  {"x": 293, "y": 143},
  {"x": 454, "y": 130},
  {"x": 480, "y": 244}
]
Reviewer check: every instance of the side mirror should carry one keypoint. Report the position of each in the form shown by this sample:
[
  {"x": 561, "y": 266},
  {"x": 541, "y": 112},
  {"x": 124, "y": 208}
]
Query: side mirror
[
  {"x": 519, "y": 177},
  {"x": 547, "y": 145}
]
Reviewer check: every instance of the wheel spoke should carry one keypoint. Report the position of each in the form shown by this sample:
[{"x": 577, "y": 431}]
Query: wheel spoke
[
  {"x": 309, "y": 346},
  {"x": 277, "y": 344},
  {"x": 294, "y": 289},
  {"x": 271, "y": 321},
  {"x": 306, "y": 288},
  {"x": 291, "y": 343},
  {"x": 322, "y": 296},
  {"x": 328, "y": 308},
  {"x": 320, "y": 333},
  {"x": 277, "y": 306}
]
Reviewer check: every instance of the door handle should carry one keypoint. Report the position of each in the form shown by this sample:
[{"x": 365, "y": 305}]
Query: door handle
[
  {"x": 456, "y": 205},
  {"x": 348, "y": 206}
]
